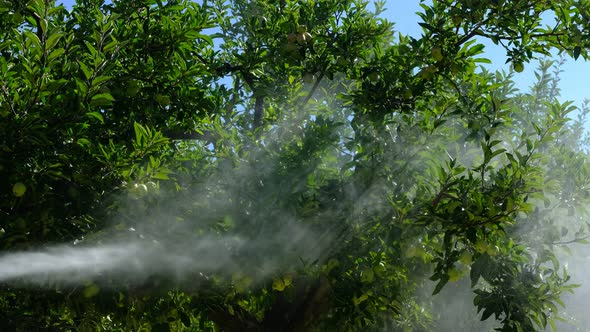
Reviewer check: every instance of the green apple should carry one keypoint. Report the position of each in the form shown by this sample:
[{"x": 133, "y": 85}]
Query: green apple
[
  {"x": 374, "y": 77},
  {"x": 132, "y": 88},
  {"x": 493, "y": 250},
  {"x": 481, "y": 246},
  {"x": 307, "y": 36},
  {"x": 465, "y": 258},
  {"x": 19, "y": 189},
  {"x": 290, "y": 48},
  {"x": 427, "y": 73},
  {"x": 341, "y": 61},
  {"x": 241, "y": 283},
  {"x": 302, "y": 39},
  {"x": 518, "y": 67},
  {"x": 138, "y": 190},
  {"x": 408, "y": 93},
  {"x": 292, "y": 37},
  {"x": 141, "y": 188},
  {"x": 454, "y": 274},
  {"x": 436, "y": 53},
  {"x": 415, "y": 250}
]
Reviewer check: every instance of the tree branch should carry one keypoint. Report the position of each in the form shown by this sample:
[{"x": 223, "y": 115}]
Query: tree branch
[
  {"x": 258, "y": 112},
  {"x": 313, "y": 88},
  {"x": 176, "y": 134},
  {"x": 535, "y": 35}
]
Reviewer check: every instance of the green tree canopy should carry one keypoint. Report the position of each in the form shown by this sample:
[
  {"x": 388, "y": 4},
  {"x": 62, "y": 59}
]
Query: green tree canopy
[{"x": 284, "y": 165}]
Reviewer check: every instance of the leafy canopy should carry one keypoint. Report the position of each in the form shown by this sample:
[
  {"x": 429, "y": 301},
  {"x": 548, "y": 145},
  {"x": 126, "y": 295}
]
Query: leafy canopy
[{"x": 356, "y": 164}]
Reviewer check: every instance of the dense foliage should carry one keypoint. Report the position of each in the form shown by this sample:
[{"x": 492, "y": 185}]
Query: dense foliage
[{"x": 357, "y": 165}]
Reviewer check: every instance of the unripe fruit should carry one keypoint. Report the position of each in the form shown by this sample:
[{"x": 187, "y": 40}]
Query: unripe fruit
[
  {"x": 465, "y": 258},
  {"x": 341, "y": 61},
  {"x": 415, "y": 251},
  {"x": 138, "y": 190},
  {"x": 292, "y": 37},
  {"x": 379, "y": 269},
  {"x": 19, "y": 189},
  {"x": 481, "y": 246},
  {"x": 408, "y": 93},
  {"x": 132, "y": 88},
  {"x": 290, "y": 47},
  {"x": 374, "y": 77},
  {"x": 427, "y": 73},
  {"x": 518, "y": 67},
  {"x": 141, "y": 188},
  {"x": 436, "y": 53},
  {"x": 162, "y": 99},
  {"x": 454, "y": 274},
  {"x": 301, "y": 39},
  {"x": 493, "y": 250}
]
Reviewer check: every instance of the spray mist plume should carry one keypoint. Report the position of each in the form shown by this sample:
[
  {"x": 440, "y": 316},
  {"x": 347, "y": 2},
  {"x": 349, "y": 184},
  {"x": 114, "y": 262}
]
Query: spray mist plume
[{"x": 143, "y": 243}]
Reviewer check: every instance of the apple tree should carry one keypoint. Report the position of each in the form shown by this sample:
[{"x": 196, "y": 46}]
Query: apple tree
[{"x": 360, "y": 166}]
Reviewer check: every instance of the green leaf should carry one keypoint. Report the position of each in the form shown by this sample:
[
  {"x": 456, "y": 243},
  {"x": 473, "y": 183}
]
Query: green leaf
[
  {"x": 444, "y": 279},
  {"x": 34, "y": 38},
  {"x": 194, "y": 34},
  {"x": 482, "y": 60},
  {"x": 427, "y": 26},
  {"x": 486, "y": 314},
  {"x": 96, "y": 115},
  {"x": 100, "y": 80},
  {"x": 102, "y": 99},
  {"x": 160, "y": 176},
  {"x": 475, "y": 50},
  {"x": 91, "y": 48},
  {"x": 577, "y": 51},
  {"x": 83, "y": 142},
  {"x": 52, "y": 40},
  {"x": 85, "y": 70},
  {"x": 55, "y": 53}
]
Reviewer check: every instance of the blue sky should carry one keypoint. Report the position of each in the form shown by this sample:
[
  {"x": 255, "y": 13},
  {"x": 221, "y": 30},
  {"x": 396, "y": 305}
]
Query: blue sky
[{"x": 573, "y": 80}]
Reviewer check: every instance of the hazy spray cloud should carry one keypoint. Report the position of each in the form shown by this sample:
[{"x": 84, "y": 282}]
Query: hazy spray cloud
[
  {"x": 259, "y": 236},
  {"x": 177, "y": 254},
  {"x": 129, "y": 261},
  {"x": 232, "y": 222}
]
